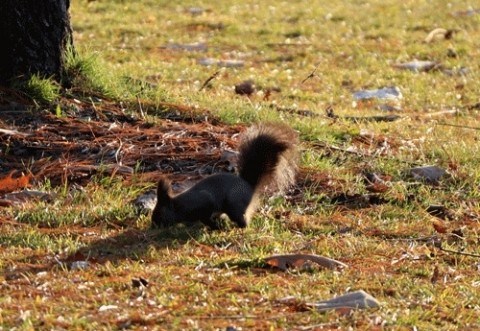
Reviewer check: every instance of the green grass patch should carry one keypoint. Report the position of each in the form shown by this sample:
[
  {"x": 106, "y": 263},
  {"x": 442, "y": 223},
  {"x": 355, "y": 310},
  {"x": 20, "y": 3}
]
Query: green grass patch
[{"x": 41, "y": 90}]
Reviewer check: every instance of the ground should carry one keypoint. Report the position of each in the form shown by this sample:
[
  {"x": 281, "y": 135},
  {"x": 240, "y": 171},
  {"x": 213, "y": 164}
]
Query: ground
[{"x": 79, "y": 253}]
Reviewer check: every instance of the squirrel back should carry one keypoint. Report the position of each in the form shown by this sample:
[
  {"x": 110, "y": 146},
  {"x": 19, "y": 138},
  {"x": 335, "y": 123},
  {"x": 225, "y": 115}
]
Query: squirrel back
[{"x": 267, "y": 157}]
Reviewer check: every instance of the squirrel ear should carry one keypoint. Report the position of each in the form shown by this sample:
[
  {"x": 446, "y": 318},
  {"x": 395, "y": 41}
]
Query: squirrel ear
[{"x": 163, "y": 191}]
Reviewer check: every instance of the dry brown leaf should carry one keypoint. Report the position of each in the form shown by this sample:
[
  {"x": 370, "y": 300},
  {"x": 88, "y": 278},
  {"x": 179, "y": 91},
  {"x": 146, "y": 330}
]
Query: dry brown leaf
[
  {"x": 377, "y": 183},
  {"x": 283, "y": 262},
  {"x": 439, "y": 226},
  {"x": 5, "y": 203},
  {"x": 10, "y": 184},
  {"x": 435, "y": 275}
]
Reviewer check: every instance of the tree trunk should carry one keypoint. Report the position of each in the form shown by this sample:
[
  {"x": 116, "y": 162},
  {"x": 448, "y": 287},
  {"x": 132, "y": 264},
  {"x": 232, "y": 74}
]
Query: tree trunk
[{"x": 33, "y": 38}]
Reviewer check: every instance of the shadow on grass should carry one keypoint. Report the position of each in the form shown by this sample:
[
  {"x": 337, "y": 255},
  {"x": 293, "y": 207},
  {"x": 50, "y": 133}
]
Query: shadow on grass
[
  {"x": 133, "y": 244},
  {"x": 125, "y": 245}
]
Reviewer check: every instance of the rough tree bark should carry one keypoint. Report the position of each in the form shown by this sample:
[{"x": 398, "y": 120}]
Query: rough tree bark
[{"x": 33, "y": 38}]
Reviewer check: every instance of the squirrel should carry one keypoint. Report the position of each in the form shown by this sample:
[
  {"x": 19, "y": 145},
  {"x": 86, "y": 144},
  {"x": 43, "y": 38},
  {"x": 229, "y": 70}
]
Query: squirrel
[{"x": 267, "y": 156}]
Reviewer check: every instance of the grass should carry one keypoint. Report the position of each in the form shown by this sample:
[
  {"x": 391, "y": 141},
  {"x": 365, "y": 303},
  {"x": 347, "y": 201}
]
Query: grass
[
  {"x": 41, "y": 90},
  {"x": 212, "y": 280}
]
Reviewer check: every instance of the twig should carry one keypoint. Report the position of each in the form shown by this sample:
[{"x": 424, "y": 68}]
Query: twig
[
  {"x": 209, "y": 79},
  {"x": 336, "y": 148},
  {"x": 460, "y": 126},
  {"x": 420, "y": 239},
  {"x": 458, "y": 252},
  {"x": 140, "y": 107},
  {"x": 117, "y": 153},
  {"x": 301, "y": 112},
  {"x": 443, "y": 112},
  {"x": 98, "y": 113},
  {"x": 311, "y": 75},
  {"x": 319, "y": 326},
  {"x": 242, "y": 317},
  {"x": 13, "y": 132},
  {"x": 383, "y": 118},
  {"x": 357, "y": 119}
]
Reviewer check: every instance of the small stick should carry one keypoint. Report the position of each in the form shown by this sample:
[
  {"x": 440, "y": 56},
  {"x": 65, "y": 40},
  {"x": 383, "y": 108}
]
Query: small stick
[
  {"x": 459, "y": 126},
  {"x": 311, "y": 75},
  {"x": 140, "y": 107},
  {"x": 209, "y": 79},
  {"x": 457, "y": 252}
]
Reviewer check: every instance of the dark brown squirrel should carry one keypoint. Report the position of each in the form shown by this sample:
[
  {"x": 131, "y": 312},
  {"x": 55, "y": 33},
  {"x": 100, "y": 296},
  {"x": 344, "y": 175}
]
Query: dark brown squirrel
[{"x": 267, "y": 157}]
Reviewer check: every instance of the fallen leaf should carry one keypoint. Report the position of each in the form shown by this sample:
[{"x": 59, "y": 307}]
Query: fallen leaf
[
  {"x": 456, "y": 72},
  {"x": 440, "y": 226},
  {"x": 5, "y": 203},
  {"x": 430, "y": 174},
  {"x": 435, "y": 275},
  {"x": 10, "y": 184},
  {"x": 383, "y": 93},
  {"x": 376, "y": 183},
  {"x": 207, "y": 61},
  {"x": 418, "y": 66},
  {"x": 469, "y": 12},
  {"x": 356, "y": 300},
  {"x": 231, "y": 63},
  {"x": 198, "y": 46},
  {"x": 389, "y": 108},
  {"x": 195, "y": 11},
  {"x": 79, "y": 265},
  {"x": 221, "y": 63},
  {"x": 439, "y": 33},
  {"x": 283, "y": 262}
]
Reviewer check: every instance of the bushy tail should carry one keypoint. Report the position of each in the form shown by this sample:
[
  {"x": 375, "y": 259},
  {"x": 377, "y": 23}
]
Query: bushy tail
[{"x": 268, "y": 156}]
